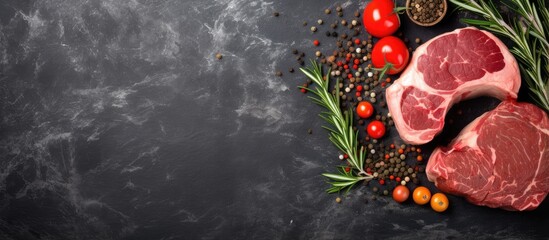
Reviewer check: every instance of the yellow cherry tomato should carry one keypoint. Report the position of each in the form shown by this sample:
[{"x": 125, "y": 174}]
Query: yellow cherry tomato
[
  {"x": 439, "y": 202},
  {"x": 421, "y": 195}
]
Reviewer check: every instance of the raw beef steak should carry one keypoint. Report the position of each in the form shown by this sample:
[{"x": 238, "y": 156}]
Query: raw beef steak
[
  {"x": 462, "y": 64},
  {"x": 500, "y": 160}
]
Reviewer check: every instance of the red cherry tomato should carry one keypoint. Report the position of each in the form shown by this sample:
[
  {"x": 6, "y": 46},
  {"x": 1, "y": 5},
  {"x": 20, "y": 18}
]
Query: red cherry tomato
[
  {"x": 390, "y": 50},
  {"x": 379, "y": 18},
  {"x": 401, "y": 193},
  {"x": 376, "y": 129},
  {"x": 364, "y": 109}
]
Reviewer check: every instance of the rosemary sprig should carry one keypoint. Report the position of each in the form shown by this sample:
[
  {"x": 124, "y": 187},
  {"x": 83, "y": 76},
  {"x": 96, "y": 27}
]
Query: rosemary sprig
[
  {"x": 529, "y": 34},
  {"x": 340, "y": 130}
]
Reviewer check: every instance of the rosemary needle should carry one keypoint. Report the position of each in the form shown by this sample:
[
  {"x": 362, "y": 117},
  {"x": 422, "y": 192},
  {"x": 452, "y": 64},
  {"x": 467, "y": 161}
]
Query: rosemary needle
[
  {"x": 340, "y": 128},
  {"x": 529, "y": 34}
]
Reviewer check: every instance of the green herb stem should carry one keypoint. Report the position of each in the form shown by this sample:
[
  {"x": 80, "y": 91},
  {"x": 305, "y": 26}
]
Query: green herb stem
[
  {"x": 340, "y": 128},
  {"x": 529, "y": 34}
]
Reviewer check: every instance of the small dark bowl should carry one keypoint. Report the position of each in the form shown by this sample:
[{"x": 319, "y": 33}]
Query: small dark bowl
[{"x": 409, "y": 13}]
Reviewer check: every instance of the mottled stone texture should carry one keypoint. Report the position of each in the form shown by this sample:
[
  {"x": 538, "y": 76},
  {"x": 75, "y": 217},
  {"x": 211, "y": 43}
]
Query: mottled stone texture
[{"x": 117, "y": 121}]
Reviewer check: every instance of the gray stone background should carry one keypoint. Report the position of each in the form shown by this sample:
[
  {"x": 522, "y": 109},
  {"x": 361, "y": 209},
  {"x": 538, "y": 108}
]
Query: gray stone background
[{"x": 117, "y": 122}]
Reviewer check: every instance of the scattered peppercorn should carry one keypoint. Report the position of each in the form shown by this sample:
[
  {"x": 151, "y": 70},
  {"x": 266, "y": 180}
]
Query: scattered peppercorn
[
  {"x": 316, "y": 42},
  {"x": 338, "y": 200},
  {"x": 358, "y": 81},
  {"x": 276, "y": 14},
  {"x": 219, "y": 56}
]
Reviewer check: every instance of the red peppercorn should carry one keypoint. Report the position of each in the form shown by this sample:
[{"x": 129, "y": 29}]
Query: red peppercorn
[
  {"x": 359, "y": 88},
  {"x": 358, "y": 94},
  {"x": 345, "y": 156},
  {"x": 316, "y": 42},
  {"x": 346, "y": 66},
  {"x": 348, "y": 55},
  {"x": 303, "y": 90},
  {"x": 349, "y": 75},
  {"x": 392, "y": 177},
  {"x": 368, "y": 170},
  {"x": 398, "y": 179},
  {"x": 357, "y": 41},
  {"x": 392, "y": 146},
  {"x": 383, "y": 84},
  {"x": 419, "y": 158},
  {"x": 355, "y": 67},
  {"x": 339, "y": 63},
  {"x": 387, "y": 157},
  {"x": 347, "y": 169},
  {"x": 400, "y": 150},
  {"x": 381, "y": 181},
  {"x": 356, "y": 61}
]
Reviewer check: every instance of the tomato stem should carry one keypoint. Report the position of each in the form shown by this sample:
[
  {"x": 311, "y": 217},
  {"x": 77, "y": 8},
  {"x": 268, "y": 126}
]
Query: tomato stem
[
  {"x": 384, "y": 69},
  {"x": 400, "y": 10},
  {"x": 388, "y": 65}
]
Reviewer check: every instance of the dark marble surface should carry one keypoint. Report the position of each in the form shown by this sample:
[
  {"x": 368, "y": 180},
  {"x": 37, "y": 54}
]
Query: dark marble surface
[{"x": 117, "y": 122}]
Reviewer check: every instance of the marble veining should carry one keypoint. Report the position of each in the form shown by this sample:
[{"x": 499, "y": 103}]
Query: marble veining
[{"x": 118, "y": 122}]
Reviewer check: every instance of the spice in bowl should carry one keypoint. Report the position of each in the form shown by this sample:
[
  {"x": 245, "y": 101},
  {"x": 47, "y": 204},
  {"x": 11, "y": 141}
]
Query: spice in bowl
[{"x": 426, "y": 12}]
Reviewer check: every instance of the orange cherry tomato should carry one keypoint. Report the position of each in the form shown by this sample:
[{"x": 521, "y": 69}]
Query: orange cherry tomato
[
  {"x": 364, "y": 109},
  {"x": 421, "y": 195},
  {"x": 401, "y": 193},
  {"x": 439, "y": 202}
]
